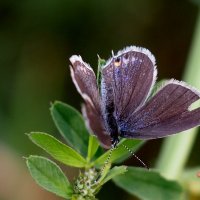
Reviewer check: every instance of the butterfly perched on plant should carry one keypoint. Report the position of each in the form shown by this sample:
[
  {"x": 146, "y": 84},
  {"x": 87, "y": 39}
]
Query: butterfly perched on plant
[{"x": 124, "y": 106}]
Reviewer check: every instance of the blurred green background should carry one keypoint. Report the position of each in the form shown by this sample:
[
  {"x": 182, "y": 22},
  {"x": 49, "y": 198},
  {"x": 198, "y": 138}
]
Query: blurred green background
[{"x": 36, "y": 40}]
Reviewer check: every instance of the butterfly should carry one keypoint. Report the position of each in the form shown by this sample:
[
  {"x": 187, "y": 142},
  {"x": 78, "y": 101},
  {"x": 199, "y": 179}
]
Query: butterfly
[{"x": 124, "y": 107}]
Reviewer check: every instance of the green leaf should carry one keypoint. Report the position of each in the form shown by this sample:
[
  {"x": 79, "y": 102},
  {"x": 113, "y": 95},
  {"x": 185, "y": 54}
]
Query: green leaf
[
  {"x": 57, "y": 149},
  {"x": 49, "y": 176},
  {"x": 107, "y": 174},
  {"x": 71, "y": 126},
  {"x": 92, "y": 147},
  {"x": 148, "y": 185},
  {"x": 120, "y": 153},
  {"x": 115, "y": 171}
]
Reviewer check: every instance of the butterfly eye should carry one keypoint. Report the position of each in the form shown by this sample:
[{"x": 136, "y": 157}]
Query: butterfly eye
[{"x": 117, "y": 62}]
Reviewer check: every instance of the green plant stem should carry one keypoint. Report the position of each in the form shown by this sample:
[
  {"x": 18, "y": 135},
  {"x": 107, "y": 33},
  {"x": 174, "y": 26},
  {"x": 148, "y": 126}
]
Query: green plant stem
[{"x": 176, "y": 149}]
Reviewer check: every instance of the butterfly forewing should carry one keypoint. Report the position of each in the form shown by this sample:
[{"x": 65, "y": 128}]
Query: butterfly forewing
[
  {"x": 85, "y": 81},
  {"x": 127, "y": 80},
  {"x": 166, "y": 113}
]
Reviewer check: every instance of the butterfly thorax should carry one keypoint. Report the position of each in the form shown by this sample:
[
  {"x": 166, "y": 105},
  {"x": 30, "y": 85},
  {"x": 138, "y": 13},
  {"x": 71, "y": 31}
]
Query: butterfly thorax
[{"x": 111, "y": 124}]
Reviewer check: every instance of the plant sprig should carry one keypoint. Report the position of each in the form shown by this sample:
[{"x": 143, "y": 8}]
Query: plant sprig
[{"x": 83, "y": 151}]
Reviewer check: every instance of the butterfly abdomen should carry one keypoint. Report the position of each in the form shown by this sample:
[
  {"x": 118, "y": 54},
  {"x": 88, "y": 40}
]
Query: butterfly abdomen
[{"x": 111, "y": 123}]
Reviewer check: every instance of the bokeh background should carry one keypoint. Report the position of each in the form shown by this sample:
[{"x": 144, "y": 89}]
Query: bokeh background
[{"x": 36, "y": 40}]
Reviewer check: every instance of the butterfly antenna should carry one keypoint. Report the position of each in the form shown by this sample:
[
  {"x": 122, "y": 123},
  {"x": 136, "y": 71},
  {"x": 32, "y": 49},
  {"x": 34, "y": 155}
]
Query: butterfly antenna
[
  {"x": 131, "y": 152},
  {"x": 106, "y": 162}
]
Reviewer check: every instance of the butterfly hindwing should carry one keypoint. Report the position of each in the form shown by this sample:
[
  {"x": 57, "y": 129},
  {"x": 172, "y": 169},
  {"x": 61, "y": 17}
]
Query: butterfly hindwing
[{"x": 166, "y": 113}]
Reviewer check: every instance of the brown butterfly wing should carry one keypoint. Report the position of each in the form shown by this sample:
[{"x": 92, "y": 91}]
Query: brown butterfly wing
[
  {"x": 85, "y": 81},
  {"x": 166, "y": 113},
  {"x": 127, "y": 80}
]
